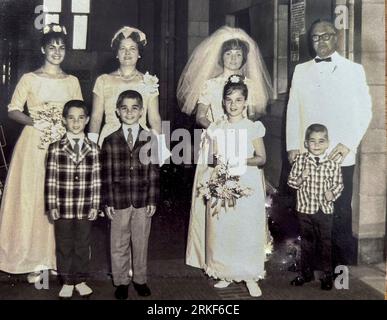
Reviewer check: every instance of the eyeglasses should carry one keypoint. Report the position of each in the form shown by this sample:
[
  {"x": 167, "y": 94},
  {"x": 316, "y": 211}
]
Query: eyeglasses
[{"x": 324, "y": 36}]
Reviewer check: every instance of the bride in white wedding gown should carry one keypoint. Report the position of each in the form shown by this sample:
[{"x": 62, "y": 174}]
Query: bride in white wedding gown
[{"x": 226, "y": 52}]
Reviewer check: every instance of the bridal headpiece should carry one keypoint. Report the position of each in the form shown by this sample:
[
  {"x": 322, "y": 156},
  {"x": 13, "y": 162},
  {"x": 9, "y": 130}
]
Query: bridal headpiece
[{"x": 203, "y": 65}]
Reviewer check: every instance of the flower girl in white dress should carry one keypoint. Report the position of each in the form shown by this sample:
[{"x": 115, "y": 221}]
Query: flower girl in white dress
[{"x": 235, "y": 236}]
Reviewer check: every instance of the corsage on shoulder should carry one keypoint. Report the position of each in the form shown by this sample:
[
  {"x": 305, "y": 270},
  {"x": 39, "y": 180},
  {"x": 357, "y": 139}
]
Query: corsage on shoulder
[{"x": 151, "y": 83}]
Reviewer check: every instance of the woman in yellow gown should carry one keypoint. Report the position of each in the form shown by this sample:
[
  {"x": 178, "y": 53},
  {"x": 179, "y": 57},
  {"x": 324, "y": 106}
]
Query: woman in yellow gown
[{"x": 27, "y": 243}]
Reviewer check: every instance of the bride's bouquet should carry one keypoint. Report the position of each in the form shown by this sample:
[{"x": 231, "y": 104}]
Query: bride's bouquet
[
  {"x": 223, "y": 188},
  {"x": 48, "y": 120}
]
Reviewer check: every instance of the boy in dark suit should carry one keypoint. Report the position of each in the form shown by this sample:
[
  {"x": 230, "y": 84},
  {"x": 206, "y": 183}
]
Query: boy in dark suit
[
  {"x": 131, "y": 188},
  {"x": 72, "y": 197}
]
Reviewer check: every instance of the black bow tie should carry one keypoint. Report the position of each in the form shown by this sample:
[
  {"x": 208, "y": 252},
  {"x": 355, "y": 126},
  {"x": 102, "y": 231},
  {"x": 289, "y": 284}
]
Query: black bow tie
[{"x": 318, "y": 60}]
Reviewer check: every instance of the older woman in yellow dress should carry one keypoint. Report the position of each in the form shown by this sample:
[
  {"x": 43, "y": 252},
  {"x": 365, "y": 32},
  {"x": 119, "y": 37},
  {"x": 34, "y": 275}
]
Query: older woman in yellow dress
[{"x": 127, "y": 44}]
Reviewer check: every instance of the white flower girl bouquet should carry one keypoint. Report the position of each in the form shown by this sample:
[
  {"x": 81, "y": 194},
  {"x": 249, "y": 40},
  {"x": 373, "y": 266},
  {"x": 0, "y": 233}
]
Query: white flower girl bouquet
[{"x": 223, "y": 189}]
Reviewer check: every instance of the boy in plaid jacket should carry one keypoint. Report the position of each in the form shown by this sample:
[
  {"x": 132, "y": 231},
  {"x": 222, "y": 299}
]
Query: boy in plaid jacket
[
  {"x": 73, "y": 197},
  {"x": 131, "y": 188},
  {"x": 319, "y": 183}
]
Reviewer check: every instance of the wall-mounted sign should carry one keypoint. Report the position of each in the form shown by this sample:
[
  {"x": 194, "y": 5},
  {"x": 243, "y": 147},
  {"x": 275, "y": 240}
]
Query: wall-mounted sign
[
  {"x": 297, "y": 27},
  {"x": 297, "y": 16}
]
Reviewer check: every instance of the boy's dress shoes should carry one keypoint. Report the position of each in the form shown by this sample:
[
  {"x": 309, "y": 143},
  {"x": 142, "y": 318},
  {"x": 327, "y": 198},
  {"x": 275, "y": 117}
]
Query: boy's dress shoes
[
  {"x": 121, "y": 292},
  {"x": 142, "y": 289},
  {"x": 83, "y": 290},
  {"x": 301, "y": 279},
  {"x": 326, "y": 282}
]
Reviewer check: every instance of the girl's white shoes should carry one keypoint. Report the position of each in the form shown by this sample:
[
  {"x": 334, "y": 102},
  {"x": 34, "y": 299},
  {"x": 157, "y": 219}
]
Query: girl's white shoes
[
  {"x": 251, "y": 285},
  {"x": 53, "y": 272},
  {"x": 222, "y": 284},
  {"x": 253, "y": 288},
  {"x": 34, "y": 277}
]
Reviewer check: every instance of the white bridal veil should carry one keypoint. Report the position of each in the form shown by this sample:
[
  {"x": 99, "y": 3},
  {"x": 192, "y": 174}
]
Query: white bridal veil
[{"x": 204, "y": 64}]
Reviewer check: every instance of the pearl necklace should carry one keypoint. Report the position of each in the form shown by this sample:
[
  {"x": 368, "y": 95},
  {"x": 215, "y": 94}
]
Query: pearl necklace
[{"x": 128, "y": 77}]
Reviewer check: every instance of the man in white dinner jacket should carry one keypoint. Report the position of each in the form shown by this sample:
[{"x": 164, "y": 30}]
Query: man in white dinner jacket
[{"x": 331, "y": 90}]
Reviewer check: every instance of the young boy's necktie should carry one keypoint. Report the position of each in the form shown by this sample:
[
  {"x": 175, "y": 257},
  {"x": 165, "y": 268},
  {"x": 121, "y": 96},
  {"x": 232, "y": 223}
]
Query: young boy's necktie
[
  {"x": 76, "y": 147},
  {"x": 130, "y": 139}
]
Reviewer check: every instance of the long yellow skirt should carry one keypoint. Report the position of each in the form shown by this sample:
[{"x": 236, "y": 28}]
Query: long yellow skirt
[{"x": 27, "y": 240}]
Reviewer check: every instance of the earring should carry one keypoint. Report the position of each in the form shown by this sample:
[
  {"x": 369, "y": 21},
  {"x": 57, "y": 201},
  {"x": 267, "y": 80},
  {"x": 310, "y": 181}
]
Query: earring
[{"x": 139, "y": 56}]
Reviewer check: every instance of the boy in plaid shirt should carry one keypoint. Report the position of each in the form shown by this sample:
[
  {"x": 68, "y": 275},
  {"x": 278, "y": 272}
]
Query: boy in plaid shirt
[
  {"x": 319, "y": 183},
  {"x": 72, "y": 198},
  {"x": 131, "y": 188}
]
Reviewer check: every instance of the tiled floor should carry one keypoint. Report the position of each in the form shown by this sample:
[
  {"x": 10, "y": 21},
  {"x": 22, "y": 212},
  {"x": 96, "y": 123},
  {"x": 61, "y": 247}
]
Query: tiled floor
[{"x": 373, "y": 275}]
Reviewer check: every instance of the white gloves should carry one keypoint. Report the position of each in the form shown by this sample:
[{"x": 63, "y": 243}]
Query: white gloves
[{"x": 162, "y": 150}]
